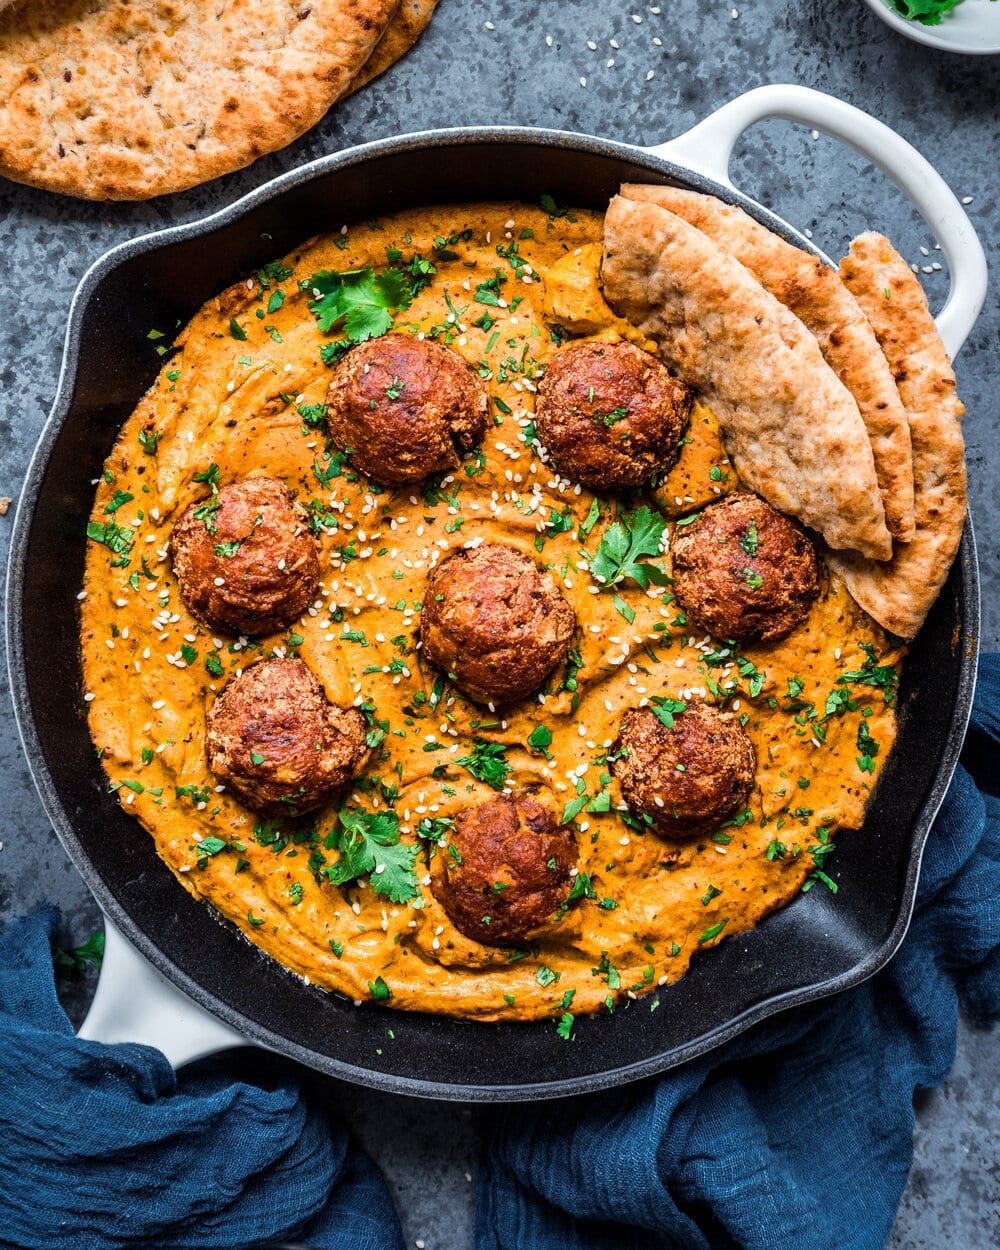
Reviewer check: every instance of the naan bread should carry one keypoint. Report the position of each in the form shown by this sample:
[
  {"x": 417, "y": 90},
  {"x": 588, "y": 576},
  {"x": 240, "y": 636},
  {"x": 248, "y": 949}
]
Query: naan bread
[
  {"x": 791, "y": 428},
  {"x": 406, "y": 26},
  {"x": 815, "y": 294},
  {"x": 126, "y": 99},
  {"x": 899, "y": 594}
]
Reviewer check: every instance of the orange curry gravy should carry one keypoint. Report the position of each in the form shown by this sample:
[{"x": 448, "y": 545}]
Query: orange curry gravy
[{"x": 240, "y": 391}]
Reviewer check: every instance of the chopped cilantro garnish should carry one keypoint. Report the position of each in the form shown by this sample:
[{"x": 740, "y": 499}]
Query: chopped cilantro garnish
[
  {"x": 882, "y": 676},
  {"x": 750, "y": 542},
  {"x": 487, "y": 763},
  {"x": 713, "y": 932},
  {"x": 666, "y": 709},
  {"x": 540, "y": 739},
  {"x": 119, "y": 498},
  {"x": 379, "y": 990}
]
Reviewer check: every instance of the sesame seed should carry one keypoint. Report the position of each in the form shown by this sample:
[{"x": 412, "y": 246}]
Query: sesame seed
[
  {"x": 966, "y": 199},
  {"x": 489, "y": 26},
  {"x": 591, "y": 45},
  {"x": 583, "y": 82}
]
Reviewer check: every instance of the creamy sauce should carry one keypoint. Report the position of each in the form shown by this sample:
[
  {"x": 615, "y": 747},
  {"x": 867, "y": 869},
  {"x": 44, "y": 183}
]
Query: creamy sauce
[{"x": 232, "y": 394}]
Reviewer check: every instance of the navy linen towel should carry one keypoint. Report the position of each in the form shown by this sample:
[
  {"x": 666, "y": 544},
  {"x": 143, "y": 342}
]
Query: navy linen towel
[
  {"x": 103, "y": 1147},
  {"x": 796, "y": 1136}
]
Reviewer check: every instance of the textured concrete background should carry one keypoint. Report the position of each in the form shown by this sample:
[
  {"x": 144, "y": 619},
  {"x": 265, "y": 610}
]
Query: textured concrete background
[{"x": 508, "y": 61}]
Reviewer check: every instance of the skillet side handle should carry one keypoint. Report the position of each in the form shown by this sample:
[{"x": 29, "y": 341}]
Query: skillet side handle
[
  {"x": 708, "y": 150},
  {"x": 136, "y": 1003}
]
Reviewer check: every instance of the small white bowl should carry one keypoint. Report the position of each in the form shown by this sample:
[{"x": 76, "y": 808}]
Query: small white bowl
[{"x": 972, "y": 27}]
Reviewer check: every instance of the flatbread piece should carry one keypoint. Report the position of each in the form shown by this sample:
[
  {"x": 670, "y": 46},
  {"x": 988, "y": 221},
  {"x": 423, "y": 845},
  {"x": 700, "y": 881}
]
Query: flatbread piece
[
  {"x": 899, "y": 594},
  {"x": 815, "y": 294},
  {"x": 119, "y": 100},
  {"x": 405, "y": 27},
  {"x": 792, "y": 429}
]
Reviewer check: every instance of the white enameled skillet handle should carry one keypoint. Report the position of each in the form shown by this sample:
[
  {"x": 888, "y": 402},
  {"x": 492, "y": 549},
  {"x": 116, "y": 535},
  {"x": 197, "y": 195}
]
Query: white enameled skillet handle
[
  {"x": 136, "y": 1003},
  {"x": 708, "y": 148}
]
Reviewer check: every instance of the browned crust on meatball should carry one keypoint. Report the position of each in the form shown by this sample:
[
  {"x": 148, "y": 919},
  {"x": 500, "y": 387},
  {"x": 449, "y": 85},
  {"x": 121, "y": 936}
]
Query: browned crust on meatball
[
  {"x": 494, "y": 623},
  {"x": 405, "y": 408},
  {"x": 506, "y": 872},
  {"x": 276, "y": 740},
  {"x": 744, "y": 570},
  {"x": 610, "y": 415},
  {"x": 257, "y": 541},
  {"x": 686, "y": 779}
]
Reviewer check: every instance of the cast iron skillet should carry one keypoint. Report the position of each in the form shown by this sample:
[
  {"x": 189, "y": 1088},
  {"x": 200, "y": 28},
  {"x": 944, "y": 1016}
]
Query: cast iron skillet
[{"x": 820, "y": 944}]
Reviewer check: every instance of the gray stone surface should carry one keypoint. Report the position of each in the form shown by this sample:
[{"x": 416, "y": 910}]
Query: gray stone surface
[{"x": 463, "y": 72}]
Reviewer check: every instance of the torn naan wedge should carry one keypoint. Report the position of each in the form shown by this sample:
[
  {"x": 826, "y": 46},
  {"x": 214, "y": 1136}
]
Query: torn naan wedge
[
  {"x": 900, "y": 594},
  {"x": 815, "y": 294},
  {"x": 791, "y": 427}
]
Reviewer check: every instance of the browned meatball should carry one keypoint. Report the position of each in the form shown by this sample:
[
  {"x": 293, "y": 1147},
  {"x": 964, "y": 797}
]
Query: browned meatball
[
  {"x": 495, "y": 623},
  {"x": 743, "y": 570},
  {"x": 405, "y": 408},
  {"x": 245, "y": 560},
  {"x": 509, "y": 870},
  {"x": 610, "y": 415},
  {"x": 275, "y": 739},
  {"x": 686, "y": 779}
]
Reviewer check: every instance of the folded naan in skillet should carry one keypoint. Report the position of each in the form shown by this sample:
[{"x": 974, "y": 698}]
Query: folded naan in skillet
[
  {"x": 793, "y": 430},
  {"x": 815, "y": 294},
  {"x": 899, "y": 594}
]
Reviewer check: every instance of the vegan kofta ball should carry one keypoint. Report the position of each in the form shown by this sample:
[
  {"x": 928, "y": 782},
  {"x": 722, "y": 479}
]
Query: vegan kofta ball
[
  {"x": 686, "y": 777},
  {"x": 508, "y": 872},
  {"x": 405, "y": 408},
  {"x": 610, "y": 415},
  {"x": 245, "y": 560},
  {"x": 744, "y": 570},
  {"x": 275, "y": 740},
  {"x": 494, "y": 623}
]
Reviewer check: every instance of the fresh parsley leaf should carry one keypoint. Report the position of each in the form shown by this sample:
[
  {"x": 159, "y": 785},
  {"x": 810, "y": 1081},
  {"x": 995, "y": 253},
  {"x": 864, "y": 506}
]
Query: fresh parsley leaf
[
  {"x": 622, "y": 549},
  {"x": 360, "y": 300},
  {"x": 369, "y": 843},
  {"x": 72, "y": 963},
  {"x": 565, "y": 1026},
  {"x": 927, "y": 12}
]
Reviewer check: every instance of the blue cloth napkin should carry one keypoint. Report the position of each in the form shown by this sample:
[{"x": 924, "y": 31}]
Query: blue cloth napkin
[
  {"x": 103, "y": 1147},
  {"x": 796, "y": 1136}
]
